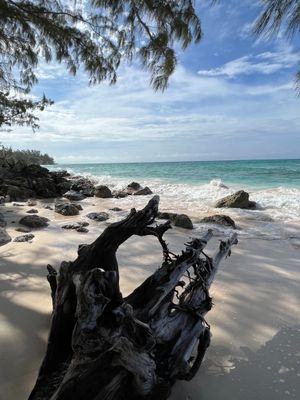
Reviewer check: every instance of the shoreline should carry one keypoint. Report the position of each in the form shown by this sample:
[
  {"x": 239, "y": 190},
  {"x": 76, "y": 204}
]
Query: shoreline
[{"x": 255, "y": 296}]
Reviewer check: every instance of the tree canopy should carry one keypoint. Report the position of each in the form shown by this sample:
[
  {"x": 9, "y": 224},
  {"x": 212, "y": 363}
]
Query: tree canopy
[
  {"x": 95, "y": 35},
  {"x": 276, "y": 15},
  {"x": 27, "y": 157}
]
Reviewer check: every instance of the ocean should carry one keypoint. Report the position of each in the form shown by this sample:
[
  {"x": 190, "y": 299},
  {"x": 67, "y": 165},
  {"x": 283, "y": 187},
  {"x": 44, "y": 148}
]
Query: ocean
[{"x": 193, "y": 187}]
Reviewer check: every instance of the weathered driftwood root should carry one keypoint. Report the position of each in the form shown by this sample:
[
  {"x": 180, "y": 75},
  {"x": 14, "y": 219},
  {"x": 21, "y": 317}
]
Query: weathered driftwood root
[{"x": 102, "y": 346}]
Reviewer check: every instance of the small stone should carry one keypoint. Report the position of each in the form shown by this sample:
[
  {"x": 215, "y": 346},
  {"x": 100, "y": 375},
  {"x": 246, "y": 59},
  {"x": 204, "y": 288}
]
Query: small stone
[
  {"x": 219, "y": 219},
  {"x": 67, "y": 209},
  {"x": 23, "y": 230},
  {"x": 24, "y": 238},
  {"x": 82, "y": 229},
  {"x": 103, "y": 192},
  {"x": 116, "y": 209},
  {"x": 32, "y": 211},
  {"x": 48, "y": 208},
  {"x": 98, "y": 216},
  {"x": 74, "y": 196},
  {"x": 4, "y": 237},
  {"x": 18, "y": 205}
]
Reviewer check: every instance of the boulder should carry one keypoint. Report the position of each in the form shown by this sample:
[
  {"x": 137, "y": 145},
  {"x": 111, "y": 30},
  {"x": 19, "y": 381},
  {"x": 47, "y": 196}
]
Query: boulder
[
  {"x": 219, "y": 219},
  {"x": 239, "y": 199},
  {"x": 82, "y": 185},
  {"x": 24, "y": 238},
  {"x": 34, "y": 221},
  {"x": 103, "y": 192},
  {"x": 183, "y": 221},
  {"x": 32, "y": 211},
  {"x": 143, "y": 192},
  {"x": 98, "y": 216},
  {"x": 4, "y": 237},
  {"x": 67, "y": 209},
  {"x": 74, "y": 196},
  {"x": 134, "y": 186}
]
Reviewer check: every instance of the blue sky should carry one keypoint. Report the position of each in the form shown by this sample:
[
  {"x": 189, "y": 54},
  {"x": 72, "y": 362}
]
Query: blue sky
[{"x": 231, "y": 97}]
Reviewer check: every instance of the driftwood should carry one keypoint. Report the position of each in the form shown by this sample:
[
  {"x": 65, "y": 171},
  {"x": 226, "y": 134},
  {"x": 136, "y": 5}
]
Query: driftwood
[{"x": 104, "y": 346}]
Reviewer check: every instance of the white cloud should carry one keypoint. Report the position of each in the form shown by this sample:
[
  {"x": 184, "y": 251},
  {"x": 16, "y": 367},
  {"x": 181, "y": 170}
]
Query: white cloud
[{"x": 264, "y": 63}]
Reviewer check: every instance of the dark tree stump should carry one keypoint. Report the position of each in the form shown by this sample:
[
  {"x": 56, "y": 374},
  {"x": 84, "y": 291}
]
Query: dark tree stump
[{"x": 102, "y": 346}]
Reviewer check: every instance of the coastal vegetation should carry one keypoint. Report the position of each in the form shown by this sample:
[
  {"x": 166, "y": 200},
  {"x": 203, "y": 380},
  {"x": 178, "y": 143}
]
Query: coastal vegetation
[{"x": 26, "y": 157}]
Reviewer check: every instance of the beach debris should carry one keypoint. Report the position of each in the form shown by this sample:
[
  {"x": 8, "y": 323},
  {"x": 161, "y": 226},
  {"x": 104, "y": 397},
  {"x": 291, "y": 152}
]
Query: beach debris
[
  {"x": 4, "y": 237},
  {"x": 67, "y": 209},
  {"x": 74, "y": 196},
  {"x": 98, "y": 216},
  {"x": 239, "y": 199},
  {"x": 34, "y": 221},
  {"x": 103, "y": 192},
  {"x": 137, "y": 346},
  {"x": 219, "y": 219},
  {"x": 24, "y": 238},
  {"x": 32, "y": 211}
]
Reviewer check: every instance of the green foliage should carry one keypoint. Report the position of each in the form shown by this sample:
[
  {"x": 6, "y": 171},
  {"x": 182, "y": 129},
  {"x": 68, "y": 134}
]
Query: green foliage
[
  {"x": 96, "y": 38},
  {"x": 276, "y": 15},
  {"x": 27, "y": 157}
]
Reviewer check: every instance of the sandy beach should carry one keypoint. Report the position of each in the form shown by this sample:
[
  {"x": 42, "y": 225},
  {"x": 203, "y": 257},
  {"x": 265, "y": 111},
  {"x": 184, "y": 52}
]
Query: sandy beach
[{"x": 255, "y": 322}]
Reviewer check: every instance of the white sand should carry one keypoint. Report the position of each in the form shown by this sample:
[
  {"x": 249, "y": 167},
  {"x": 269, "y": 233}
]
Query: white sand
[{"x": 255, "y": 348}]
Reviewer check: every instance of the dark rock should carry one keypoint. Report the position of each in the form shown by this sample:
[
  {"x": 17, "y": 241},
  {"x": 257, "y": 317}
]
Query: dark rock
[
  {"x": 82, "y": 229},
  {"x": 74, "y": 196},
  {"x": 4, "y": 237},
  {"x": 167, "y": 215},
  {"x": 219, "y": 219},
  {"x": 66, "y": 209},
  {"x": 82, "y": 185},
  {"x": 98, "y": 216},
  {"x": 76, "y": 225},
  {"x": 23, "y": 230},
  {"x": 79, "y": 207},
  {"x": 143, "y": 192},
  {"x": 119, "y": 194},
  {"x": 116, "y": 209},
  {"x": 239, "y": 199},
  {"x": 183, "y": 221},
  {"x": 48, "y": 208},
  {"x": 32, "y": 211},
  {"x": 134, "y": 186},
  {"x": 34, "y": 221},
  {"x": 103, "y": 192},
  {"x": 24, "y": 238}
]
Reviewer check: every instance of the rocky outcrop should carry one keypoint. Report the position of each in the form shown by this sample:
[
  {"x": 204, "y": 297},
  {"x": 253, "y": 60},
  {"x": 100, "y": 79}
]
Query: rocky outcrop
[
  {"x": 239, "y": 199},
  {"x": 34, "y": 221},
  {"x": 74, "y": 196},
  {"x": 98, "y": 216},
  {"x": 103, "y": 192},
  {"x": 4, "y": 237},
  {"x": 67, "y": 209},
  {"x": 219, "y": 219},
  {"x": 24, "y": 238},
  {"x": 21, "y": 182},
  {"x": 179, "y": 220}
]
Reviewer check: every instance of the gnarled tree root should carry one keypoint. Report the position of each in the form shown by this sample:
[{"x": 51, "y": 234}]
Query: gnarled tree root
[{"x": 102, "y": 346}]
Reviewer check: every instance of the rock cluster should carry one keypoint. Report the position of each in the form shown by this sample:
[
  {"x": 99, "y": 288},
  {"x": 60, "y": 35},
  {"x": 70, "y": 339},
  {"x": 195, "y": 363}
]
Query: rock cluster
[{"x": 20, "y": 182}]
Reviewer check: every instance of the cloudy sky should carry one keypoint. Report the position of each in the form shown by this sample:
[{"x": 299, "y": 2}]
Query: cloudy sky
[{"x": 231, "y": 97}]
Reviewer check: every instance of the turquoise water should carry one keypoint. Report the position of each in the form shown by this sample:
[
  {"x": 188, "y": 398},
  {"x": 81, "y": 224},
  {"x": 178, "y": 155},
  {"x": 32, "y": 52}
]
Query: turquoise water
[{"x": 256, "y": 173}]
